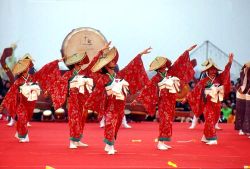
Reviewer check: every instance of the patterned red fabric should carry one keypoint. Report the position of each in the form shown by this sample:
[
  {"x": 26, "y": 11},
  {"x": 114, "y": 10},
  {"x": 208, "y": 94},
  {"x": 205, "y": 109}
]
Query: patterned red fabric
[
  {"x": 17, "y": 104},
  {"x": 113, "y": 109},
  {"x": 196, "y": 97},
  {"x": 97, "y": 100},
  {"x": 150, "y": 95},
  {"x": 199, "y": 104},
  {"x": 133, "y": 73},
  {"x": 166, "y": 109},
  {"x": 11, "y": 98},
  {"x": 113, "y": 118},
  {"x": 59, "y": 89},
  {"x": 182, "y": 68},
  {"x": 212, "y": 113},
  {"x": 77, "y": 113},
  {"x": 47, "y": 75}
]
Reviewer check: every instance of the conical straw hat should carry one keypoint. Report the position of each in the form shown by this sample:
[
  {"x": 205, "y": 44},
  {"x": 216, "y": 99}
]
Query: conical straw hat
[{"x": 104, "y": 59}]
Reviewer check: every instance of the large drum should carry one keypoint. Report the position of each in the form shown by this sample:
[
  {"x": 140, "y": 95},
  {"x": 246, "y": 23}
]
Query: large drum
[{"x": 81, "y": 40}]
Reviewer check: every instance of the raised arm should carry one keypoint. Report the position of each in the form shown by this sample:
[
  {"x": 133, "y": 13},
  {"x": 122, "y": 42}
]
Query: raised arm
[
  {"x": 135, "y": 72},
  {"x": 183, "y": 64}
]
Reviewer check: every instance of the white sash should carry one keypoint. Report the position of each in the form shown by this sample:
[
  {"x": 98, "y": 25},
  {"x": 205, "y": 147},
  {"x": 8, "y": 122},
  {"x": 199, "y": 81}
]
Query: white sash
[
  {"x": 216, "y": 93},
  {"x": 79, "y": 81},
  {"x": 30, "y": 91},
  {"x": 118, "y": 88},
  {"x": 170, "y": 83}
]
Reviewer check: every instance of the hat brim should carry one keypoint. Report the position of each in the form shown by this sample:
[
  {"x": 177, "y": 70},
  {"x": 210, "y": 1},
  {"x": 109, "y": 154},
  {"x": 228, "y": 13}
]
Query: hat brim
[
  {"x": 210, "y": 66},
  {"x": 21, "y": 66},
  {"x": 154, "y": 66},
  {"x": 105, "y": 59},
  {"x": 76, "y": 58}
]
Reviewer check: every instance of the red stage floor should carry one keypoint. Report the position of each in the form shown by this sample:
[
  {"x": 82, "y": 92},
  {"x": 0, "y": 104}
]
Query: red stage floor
[{"x": 136, "y": 148}]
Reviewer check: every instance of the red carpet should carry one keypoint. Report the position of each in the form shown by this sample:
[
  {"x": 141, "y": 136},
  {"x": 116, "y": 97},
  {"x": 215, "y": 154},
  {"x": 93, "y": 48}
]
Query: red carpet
[{"x": 49, "y": 146}]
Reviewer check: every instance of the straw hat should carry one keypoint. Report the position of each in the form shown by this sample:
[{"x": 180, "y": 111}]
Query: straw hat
[
  {"x": 104, "y": 59},
  {"x": 75, "y": 58},
  {"x": 208, "y": 64},
  {"x": 27, "y": 56},
  {"x": 22, "y": 65},
  {"x": 158, "y": 62}
]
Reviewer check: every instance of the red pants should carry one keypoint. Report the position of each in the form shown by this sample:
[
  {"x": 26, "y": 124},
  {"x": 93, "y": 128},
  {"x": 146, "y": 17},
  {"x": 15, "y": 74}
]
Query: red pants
[
  {"x": 166, "y": 109},
  {"x": 77, "y": 114},
  {"x": 24, "y": 113},
  {"x": 113, "y": 118},
  {"x": 212, "y": 114}
]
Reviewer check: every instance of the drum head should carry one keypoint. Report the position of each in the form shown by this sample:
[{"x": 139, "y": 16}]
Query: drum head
[{"x": 81, "y": 40}]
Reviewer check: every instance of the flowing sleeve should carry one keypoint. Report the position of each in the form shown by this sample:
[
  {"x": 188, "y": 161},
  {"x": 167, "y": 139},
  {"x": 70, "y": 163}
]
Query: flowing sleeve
[
  {"x": 10, "y": 101},
  {"x": 135, "y": 74},
  {"x": 225, "y": 79},
  {"x": 59, "y": 90},
  {"x": 97, "y": 100},
  {"x": 181, "y": 65},
  {"x": 148, "y": 97},
  {"x": 48, "y": 75},
  {"x": 88, "y": 72},
  {"x": 195, "y": 98}
]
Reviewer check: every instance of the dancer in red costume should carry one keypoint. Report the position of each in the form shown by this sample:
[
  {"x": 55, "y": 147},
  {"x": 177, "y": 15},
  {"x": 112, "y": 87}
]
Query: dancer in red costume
[
  {"x": 162, "y": 90},
  {"x": 207, "y": 95},
  {"x": 75, "y": 86},
  {"x": 21, "y": 98},
  {"x": 109, "y": 95}
]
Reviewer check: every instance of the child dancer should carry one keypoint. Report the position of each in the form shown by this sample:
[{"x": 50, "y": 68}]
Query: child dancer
[
  {"x": 162, "y": 90},
  {"x": 21, "y": 98},
  {"x": 109, "y": 95},
  {"x": 207, "y": 95}
]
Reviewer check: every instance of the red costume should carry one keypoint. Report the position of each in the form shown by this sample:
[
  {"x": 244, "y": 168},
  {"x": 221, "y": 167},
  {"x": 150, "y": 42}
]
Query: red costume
[
  {"x": 61, "y": 91},
  {"x": 111, "y": 105},
  {"x": 202, "y": 102},
  {"x": 152, "y": 95},
  {"x": 19, "y": 105}
]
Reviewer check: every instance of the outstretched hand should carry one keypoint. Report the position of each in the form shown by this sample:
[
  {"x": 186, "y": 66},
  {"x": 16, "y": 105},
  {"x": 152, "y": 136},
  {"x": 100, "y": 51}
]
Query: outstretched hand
[
  {"x": 146, "y": 51},
  {"x": 191, "y": 48},
  {"x": 106, "y": 46},
  {"x": 231, "y": 57}
]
